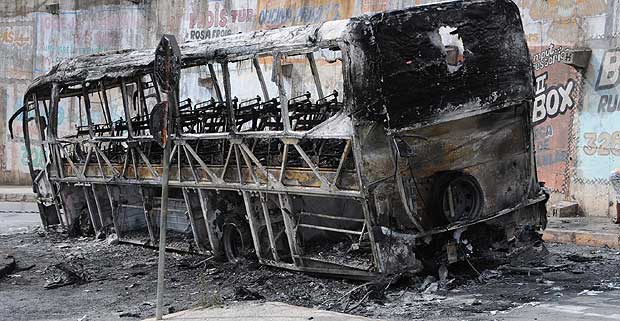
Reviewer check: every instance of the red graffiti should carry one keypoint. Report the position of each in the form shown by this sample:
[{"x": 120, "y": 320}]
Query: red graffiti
[{"x": 219, "y": 17}]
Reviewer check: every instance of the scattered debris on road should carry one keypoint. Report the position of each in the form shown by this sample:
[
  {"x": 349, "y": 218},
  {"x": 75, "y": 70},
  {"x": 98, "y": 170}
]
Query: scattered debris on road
[{"x": 110, "y": 280}]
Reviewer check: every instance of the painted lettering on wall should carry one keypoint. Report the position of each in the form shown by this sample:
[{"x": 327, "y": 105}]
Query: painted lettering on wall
[
  {"x": 546, "y": 154},
  {"x": 15, "y": 47},
  {"x": 608, "y": 76},
  {"x": 216, "y": 21},
  {"x": 602, "y": 144},
  {"x": 549, "y": 56},
  {"x": 15, "y": 36},
  {"x": 72, "y": 33},
  {"x": 551, "y": 101},
  {"x": 278, "y": 13}
]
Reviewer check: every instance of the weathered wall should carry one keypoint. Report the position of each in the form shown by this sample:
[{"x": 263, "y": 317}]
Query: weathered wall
[
  {"x": 576, "y": 115},
  {"x": 577, "y": 120}
]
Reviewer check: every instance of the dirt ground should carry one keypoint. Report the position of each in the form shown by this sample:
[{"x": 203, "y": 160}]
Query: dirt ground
[{"x": 118, "y": 282}]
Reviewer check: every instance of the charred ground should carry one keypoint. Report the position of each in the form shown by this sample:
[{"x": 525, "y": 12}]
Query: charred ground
[{"x": 66, "y": 279}]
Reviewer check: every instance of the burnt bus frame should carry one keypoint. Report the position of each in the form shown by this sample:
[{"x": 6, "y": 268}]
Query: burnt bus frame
[{"x": 253, "y": 179}]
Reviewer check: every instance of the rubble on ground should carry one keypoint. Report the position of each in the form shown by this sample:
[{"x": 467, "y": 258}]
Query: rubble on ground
[{"x": 120, "y": 281}]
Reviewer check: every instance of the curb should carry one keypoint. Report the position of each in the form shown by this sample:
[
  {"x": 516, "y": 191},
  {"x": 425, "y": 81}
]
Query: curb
[
  {"x": 582, "y": 238},
  {"x": 17, "y": 197}
]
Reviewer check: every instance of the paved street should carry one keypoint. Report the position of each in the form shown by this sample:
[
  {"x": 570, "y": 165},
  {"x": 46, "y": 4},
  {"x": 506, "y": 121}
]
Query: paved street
[
  {"x": 602, "y": 306},
  {"x": 18, "y": 217},
  {"x": 568, "y": 296}
]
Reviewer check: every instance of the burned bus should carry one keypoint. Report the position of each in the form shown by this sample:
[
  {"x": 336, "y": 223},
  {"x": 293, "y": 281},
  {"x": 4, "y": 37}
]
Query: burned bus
[{"x": 379, "y": 144}]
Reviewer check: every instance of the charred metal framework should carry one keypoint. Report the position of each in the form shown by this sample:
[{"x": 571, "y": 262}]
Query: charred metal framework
[{"x": 398, "y": 166}]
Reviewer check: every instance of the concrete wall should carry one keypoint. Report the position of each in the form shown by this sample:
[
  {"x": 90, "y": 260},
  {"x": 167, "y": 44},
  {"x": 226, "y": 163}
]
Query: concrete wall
[{"x": 577, "y": 117}]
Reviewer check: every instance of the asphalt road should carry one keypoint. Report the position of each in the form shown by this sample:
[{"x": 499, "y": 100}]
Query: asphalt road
[
  {"x": 18, "y": 217},
  {"x": 567, "y": 305},
  {"x": 600, "y": 306}
]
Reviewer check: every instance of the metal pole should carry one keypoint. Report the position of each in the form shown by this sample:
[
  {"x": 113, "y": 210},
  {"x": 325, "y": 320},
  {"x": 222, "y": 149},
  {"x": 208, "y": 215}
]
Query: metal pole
[
  {"x": 167, "y": 64},
  {"x": 163, "y": 220}
]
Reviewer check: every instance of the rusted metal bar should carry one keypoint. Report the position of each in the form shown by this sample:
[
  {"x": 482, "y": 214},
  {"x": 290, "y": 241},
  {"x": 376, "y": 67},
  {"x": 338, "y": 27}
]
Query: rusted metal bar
[
  {"x": 331, "y": 229},
  {"x": 331, "y": 217},
  {"x": 191, "y": 165},
  {"x": 99, "y": 164},
  {"x": 213, "y": 241},
  {"x": 325, "y": 184},
  {"x": 87, "y": 161},
  {"x": 238, "y": 161},
  {"x": 147, "y": 208},
  {"x": 98, "y": 206},
  {"x": 126, "y": 109},
  {"x": 315, "y": 75},
  {"x": 289, "y": 225},
  {"x": 53, "y": 133},
  {"x": 190, "y": 213},
  {"x": 71, "y": 163},
  {"x": 228, "y": 93},
  {"x": 37, "y": 114},
  {"x": 253, "y": 223},
  {"x": 286, "y": 122},
  {"x": 105, "y": 104},
  {"x": 226, "y": 163},
  {"x": 284, "y": 160},
  {"x": 343, "y": 159},
  {"x": 260, "y": 166},
  {"x": 248, "y": 163},
  {"x": 142, "y": 97},
  {"x": 145, "y": 160},
  {"x": 216, "y": 85},
  {"x": 203, "y": 165},
  {"x": 114, "y": 209},
  {"x": 261, "y": 78},
  {"x": 106, "y": 160},
  {"x": 267, "y": 217},
  {"x": 91, "y": 210},
  {"x": 134, "y": 162}
]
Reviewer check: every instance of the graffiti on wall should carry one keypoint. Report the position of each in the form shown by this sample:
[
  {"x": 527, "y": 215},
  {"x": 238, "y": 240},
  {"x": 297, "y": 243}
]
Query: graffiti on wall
[
  {"x": 278, "y": 13},
  {"x": 599, "y": 136},
  {"x": 17, "y": 36},
  {"x": 551, "y": 101},
  {"x": 550, "y": 56},
  {"x": 608, "y": 78},
  {"x": 555, "y": 96},
  {"x": 216, "y": 20},
  {"x": 15, "y": 46},
  {"x": 72, "y": 33}
]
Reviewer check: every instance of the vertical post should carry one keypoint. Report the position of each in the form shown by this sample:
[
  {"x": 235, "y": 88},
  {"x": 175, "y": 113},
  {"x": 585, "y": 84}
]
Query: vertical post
[
  {"x": 315, "y": 75},
  {"x": 228, "y": 93},
  {"x": 163, "y": 222},
  {"x": 167, "y": 71},
  {"x": 286, "y": 123},
  {"x": 106, "y": 105},
  {"x": 261, "y": 79},
  {"x": 216, "y": 85},
  {"x": 126, "y": 109}
]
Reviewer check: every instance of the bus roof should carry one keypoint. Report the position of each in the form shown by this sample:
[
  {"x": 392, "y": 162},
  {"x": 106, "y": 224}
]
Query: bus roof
[{"x": 128, "y": 63}]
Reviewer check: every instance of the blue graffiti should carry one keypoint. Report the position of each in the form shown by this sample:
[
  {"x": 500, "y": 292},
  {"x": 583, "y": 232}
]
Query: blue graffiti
[{"x": 294, "y": 16}]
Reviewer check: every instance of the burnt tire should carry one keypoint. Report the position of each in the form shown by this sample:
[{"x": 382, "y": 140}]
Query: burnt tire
[
  {"x": 457, "y": 197},
  {"x": 237, "y": 242}
]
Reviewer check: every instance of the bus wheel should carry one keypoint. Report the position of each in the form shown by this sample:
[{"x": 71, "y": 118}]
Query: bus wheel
[
  {"x": 237, "y": 241},
  {"x": 458, "y": 197}
]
